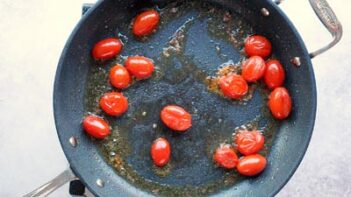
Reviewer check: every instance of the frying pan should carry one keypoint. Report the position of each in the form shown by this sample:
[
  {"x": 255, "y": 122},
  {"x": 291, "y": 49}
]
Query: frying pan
[{"x": 180, "y": 79}]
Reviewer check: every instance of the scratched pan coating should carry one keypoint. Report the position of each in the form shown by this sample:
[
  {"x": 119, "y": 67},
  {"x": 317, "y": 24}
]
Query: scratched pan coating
[{"x": 193, "y": 40}]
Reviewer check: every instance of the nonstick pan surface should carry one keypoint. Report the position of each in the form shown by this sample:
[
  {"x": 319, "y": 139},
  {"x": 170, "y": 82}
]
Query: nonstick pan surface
[{"x": 193, "y": 40}]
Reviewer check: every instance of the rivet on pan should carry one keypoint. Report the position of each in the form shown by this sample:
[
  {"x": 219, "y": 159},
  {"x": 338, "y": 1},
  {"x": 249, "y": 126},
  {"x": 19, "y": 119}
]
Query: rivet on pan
[
  {"x": 100, "y": 183},
  {"x": 73, "y": 141},
  {"x": 144, "y": 113},
  {"x": 296, "y": 61},
  {"x": 264, "y": 12}
]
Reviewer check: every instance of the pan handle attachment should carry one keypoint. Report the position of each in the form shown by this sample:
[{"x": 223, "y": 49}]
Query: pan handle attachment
[
  {"x": 327, "y": 16},
  {"x": 54, "y": 184},
  {"x": 277, "y": 1}
]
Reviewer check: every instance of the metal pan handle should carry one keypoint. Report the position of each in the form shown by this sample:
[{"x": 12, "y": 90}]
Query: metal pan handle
[
  {"x": 52, "y": 185},
  {"x": 329, "y": 20},
  {"x": 327, "y": 16}
]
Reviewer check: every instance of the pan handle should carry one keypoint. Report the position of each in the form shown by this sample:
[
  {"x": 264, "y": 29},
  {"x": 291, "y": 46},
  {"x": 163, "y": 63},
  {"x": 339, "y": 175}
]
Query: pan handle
[
  {"x": 52, "y": 185},
  {"x": 327, "y": 16}
]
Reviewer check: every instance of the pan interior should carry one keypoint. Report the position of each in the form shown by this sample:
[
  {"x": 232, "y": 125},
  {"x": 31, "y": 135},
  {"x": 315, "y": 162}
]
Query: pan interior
[{"x": 193, "y": 40}]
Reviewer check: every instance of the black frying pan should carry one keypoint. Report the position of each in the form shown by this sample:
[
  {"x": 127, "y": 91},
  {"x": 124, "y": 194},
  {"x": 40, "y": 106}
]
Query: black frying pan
[{"x": 121, "y": 164}]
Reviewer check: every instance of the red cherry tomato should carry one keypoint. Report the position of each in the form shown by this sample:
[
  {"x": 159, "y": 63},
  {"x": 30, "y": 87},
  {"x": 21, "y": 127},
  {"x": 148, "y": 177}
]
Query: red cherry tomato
[
  {"x": 107, "y": 49},
  {"x": 146, "y": 22},
  {"x": 274, "y": 75},
  {"x": 280, "y": 103},
  {"x": 139, "y": 66},
  {"x": 233, "y": 86},
  {"x": 119, "y": 77},
  {"x": 176, "y": 118},
  {"x": 251, "y": 165},
  {"x": 253, "y": 69},
  {"x": 160, "y": 152},
  {"x": 249, "y": 142},
  {"x": 258, "y": 45},
  {"x": 225, "y": 157},
  {"x": 114, "y": 103},
  {"x": 96, "y": 127}
]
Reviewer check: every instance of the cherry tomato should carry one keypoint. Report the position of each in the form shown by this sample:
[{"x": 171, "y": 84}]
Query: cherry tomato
[
  {"x": 280, "y": 103},
  {"x": 139, "y": 66},
  {"x": 176, "y": 118},
  {"x": 253, "y": 69},
  {"x": 258, "y": 45},
  {"x": 251, "y": 165},
  {"x": 107, "y": 49},
  {"x": 119, "y": 77},
  {"x": 160, "y": 152},
  {"x": 96, "y": 127},
  {"x": 249, "y": 142},
  {"x": 225, "y": 157},
  {"x": 114, "y": 103},
  {"x": 146, "y": 22},
  {"x": 274, "y": 75},
  {"x": 233, "y": 86}
]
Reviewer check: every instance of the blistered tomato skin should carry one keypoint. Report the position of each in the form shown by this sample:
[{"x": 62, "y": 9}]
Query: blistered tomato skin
[
  {"x": 225, "y": 157},
  {"x": 233, "y": 86},
  {"x": 107, "y": 49},
  {"x": 251, "y": 165},
  {"x": 96, "y": 127},
  {"x": 140, "y": 67},
  {"x": 253, "y": 69},
  {"x": 274, "y": 75},
  {"x": 280, "y": 103},
  {"x": 249, "y": 142},
  {"x": 258, "y": 45},
  {"x": 146, "y": 22},
  {"x": 160, "y": 152},
  {"x": 114, "y": 103},
  {"x": 120, "y": 77},
  {"x": 176, "y": 118}
]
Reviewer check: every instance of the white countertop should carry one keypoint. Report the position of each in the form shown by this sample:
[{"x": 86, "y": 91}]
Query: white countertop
[{"x": 32, "y": 35}]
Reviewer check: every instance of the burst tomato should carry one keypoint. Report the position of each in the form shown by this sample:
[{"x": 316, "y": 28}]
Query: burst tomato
[
  {"x": 249, "y": 142},
  {"x": 114, "y": 103},
  {"x": 233, "y": 86},
  {"x": 253, "y": 69},
  {"x": 225, "y": 157},
  {"x": 258, "y": 45}
]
